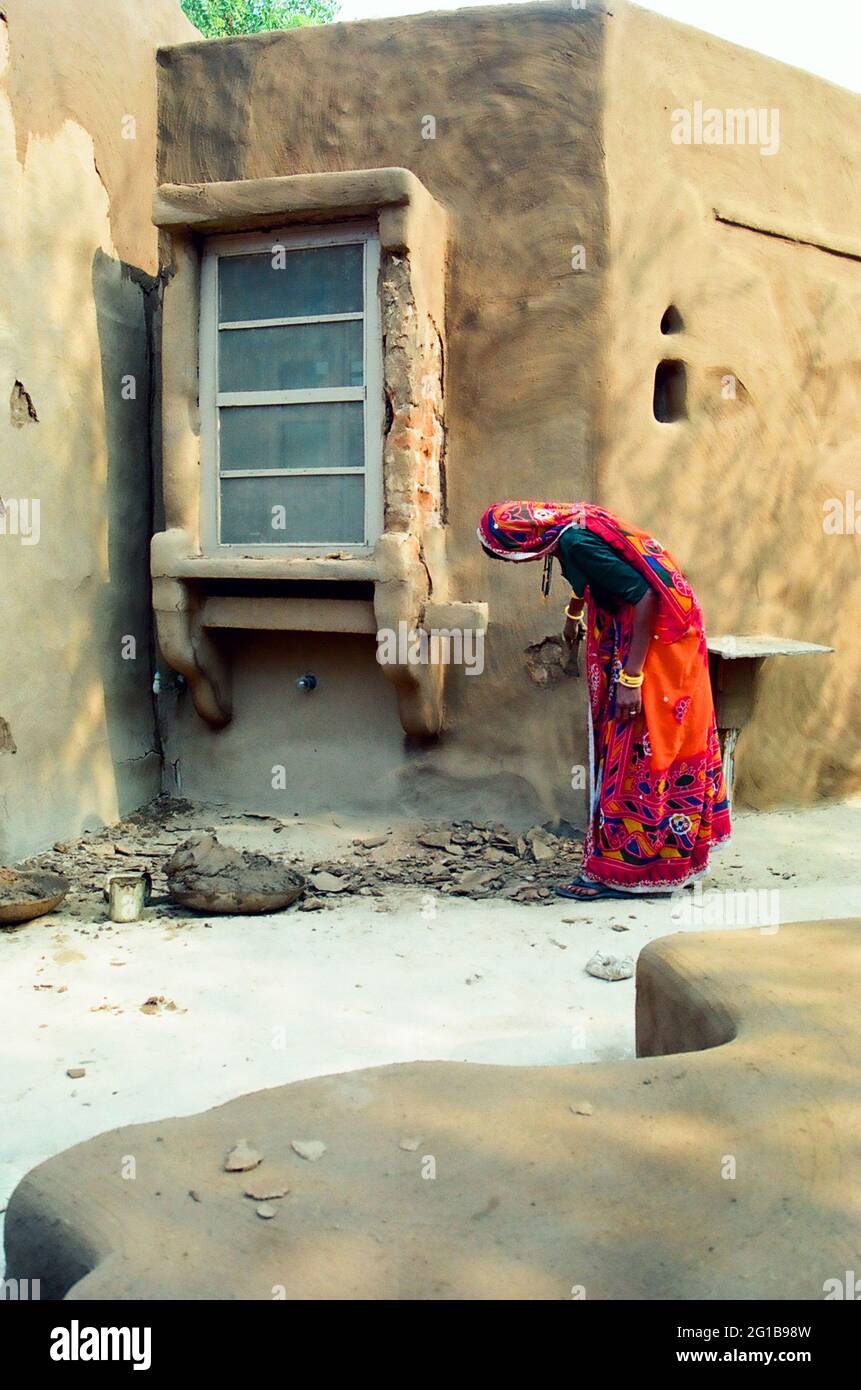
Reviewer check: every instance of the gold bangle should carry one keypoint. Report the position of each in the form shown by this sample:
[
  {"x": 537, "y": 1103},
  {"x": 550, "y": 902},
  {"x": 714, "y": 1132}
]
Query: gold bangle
[
  {"x": 573, "y": 616},
  {"x": 632, "y": 682}
]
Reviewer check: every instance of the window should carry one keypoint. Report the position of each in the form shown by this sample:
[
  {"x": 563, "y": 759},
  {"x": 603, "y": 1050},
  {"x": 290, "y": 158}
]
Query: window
[{"x": 291, "y": 390}]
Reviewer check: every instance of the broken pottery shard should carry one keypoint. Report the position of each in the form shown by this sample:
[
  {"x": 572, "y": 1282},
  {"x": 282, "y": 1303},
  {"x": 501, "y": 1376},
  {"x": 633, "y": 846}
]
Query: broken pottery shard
[
  {"x": 583, "y": 1107},
  {"x": 312, "y": 1149},
  {"x": 410, "y": 1144},
  {"x": 435, "y": 839},
  {"x": 76, "y": 1072},
  {"x": 327, "y": 883},
  {"x": 496, "y": 856},
  {"x": 242, "y": 1158},
  {"x": 541, "y": 851},
  {"x": 266, "y": 1211},
  {"x": 544, "y": 846},
  {"x": 605, "y": 967},
  {"x": 474, "y": 878}
]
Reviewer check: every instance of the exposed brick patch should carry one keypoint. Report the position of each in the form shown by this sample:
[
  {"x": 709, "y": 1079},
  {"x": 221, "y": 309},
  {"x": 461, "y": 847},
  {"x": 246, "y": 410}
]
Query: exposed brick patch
[{"x": 413, "y": 375}]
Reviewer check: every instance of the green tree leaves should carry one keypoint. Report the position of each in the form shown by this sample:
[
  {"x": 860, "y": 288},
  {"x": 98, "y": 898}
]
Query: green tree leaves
[{"x": 220, "y": 19}]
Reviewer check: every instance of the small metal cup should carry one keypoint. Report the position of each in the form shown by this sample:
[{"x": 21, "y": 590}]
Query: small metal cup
[{"x": 128, "y": 895}]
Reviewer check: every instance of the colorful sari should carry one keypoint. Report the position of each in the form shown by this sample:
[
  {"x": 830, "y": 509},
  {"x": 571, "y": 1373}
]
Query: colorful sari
[{"x": 658, "y": 801}]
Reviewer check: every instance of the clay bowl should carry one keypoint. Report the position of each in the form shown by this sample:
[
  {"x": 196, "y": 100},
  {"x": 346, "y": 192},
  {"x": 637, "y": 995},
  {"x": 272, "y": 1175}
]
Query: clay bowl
[
  {"x": 52, "y": 889},
  {"x": 241, "y": 903}
]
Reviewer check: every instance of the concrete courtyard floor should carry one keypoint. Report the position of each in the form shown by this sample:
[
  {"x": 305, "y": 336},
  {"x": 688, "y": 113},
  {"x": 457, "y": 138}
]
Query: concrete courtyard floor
[{"x": 259, "y": 1001}]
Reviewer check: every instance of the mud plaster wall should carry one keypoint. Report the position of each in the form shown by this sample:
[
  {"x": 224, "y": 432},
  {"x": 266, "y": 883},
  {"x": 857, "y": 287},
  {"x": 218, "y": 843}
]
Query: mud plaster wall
[
  {"x": 77, "y": 249},
  {"x": 517, "y": 164},
  {"x": 737, "y": 489}
]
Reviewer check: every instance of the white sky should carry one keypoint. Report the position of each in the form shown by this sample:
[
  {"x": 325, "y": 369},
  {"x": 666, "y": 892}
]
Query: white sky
[{"x": 823, "y": 36}]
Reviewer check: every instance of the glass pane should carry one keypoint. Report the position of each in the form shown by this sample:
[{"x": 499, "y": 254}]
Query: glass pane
[
  {"x": 328, "y": 434},
  {"x": 291, "y": 359},
  {"x": 281, "y": 511},
  {"x": 290, "y": 284}
]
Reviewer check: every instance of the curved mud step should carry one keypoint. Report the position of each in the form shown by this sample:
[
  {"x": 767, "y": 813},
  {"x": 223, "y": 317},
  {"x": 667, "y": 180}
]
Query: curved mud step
[{"x": 509, "y": 1192}]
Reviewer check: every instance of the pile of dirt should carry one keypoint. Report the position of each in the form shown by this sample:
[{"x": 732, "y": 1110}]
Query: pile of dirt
[
  {"x": 209, "y": 877},
  {"x": 465, "y": 858},
  {"x": 19, "y": 888},
  {"x": 469, "y": 859},
  {"x": 141, "y": 843}
]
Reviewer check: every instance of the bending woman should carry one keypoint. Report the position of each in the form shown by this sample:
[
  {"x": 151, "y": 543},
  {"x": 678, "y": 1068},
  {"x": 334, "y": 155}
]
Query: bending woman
[{"x": 658, "y": 801}]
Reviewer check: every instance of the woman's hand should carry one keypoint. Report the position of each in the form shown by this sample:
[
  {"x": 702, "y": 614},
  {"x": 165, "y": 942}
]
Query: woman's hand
[
  {"x": 572, "y": 631},
  {"x": 629, "y": 703}
]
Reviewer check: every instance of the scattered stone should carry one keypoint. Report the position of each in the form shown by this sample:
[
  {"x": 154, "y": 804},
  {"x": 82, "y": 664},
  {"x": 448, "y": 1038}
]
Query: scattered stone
[
  {"x": 464, "y": 858},
  {"x": 104, "y": 849},
  {"x": 605, "y": 967},
  {"x": 310, "y": 1149},
  {"x": 436, "y": 839},
  {"x": 496, "y": 856},
  {"x": 76, "y": 1072},
  {"x": 157, "y": 1004},
  {"x": 410, "y": 1144},
  {"x": 328, "y": 883},
  {"x": 474, "y": 878},
  {"x": 543, "y": 845},
  {"x": 618, "y": 927},
  {"x": 242, "y": 1158},
  {"x": 194, "y": 1195},
  {"x": 267, "y": 1187},
  {"x": 583, "y": 1107},
  {"x": 266, "y": 1211}
]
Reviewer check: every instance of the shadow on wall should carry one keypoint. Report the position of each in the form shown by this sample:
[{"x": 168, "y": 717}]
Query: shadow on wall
[
  {"x": 125, "y": 301},
  {"x": 82, "y": 592}
]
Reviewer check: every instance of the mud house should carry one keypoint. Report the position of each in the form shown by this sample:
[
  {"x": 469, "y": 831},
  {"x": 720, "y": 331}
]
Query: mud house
[{"x": 281, "y": 314}]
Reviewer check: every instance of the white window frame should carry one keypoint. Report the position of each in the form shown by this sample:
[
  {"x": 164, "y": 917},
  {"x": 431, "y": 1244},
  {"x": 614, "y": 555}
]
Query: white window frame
[{"x": 371, "y": 394}]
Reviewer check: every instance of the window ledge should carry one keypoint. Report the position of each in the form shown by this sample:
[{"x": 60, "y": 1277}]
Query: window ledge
[
  {"x": 173, "y": 557},
  {"x": 248, "y": 204}
]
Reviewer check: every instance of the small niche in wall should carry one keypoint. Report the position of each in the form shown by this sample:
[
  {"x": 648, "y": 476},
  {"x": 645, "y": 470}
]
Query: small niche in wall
[
  {"x": 669, "y": 401},
  {"x": 672, "y": 321}
]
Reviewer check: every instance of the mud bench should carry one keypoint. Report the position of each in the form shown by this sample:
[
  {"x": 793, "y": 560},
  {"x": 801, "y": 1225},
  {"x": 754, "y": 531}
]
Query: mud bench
[{"x": 734, "y": 666}]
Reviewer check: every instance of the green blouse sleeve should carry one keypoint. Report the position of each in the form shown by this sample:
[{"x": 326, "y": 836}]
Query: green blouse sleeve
[{"x": 586, "y": 559}]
